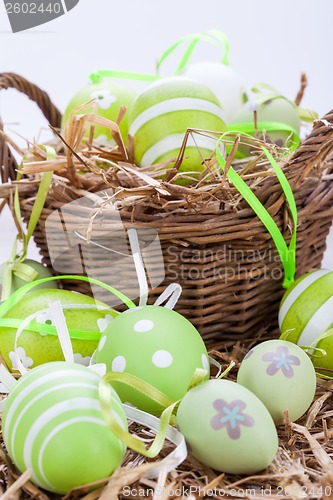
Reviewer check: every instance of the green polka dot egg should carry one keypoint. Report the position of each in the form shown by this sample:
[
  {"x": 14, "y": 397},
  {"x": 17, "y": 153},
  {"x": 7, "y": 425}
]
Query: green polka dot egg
[
  {"x": 227, "y": 427},
  {"x": 110, "y": 96},
  {"x": 52, "y": 424},
  {"x": 156, "y": 344},
  {"x": 306, "y": 312},
  {"x": 86, "y": 325},
  {"x": 164, "y": 111}
]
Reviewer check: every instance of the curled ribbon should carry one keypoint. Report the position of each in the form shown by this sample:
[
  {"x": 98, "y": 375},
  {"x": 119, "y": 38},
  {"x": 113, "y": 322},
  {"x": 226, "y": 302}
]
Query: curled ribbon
[{"x": 15, "y": 265}]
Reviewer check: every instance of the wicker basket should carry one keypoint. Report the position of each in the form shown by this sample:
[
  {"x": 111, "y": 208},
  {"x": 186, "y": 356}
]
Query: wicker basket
[{"x": 236, "y": 287}]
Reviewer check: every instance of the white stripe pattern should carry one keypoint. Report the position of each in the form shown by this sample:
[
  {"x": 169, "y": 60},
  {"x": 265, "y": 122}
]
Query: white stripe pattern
[
  {"x": 90, "y": 375},
  {"x": 174, "y": 141},
  {"x": 318, "y": 323},
  {"x": 172, "y": 105},
  {"x": 56, "y": 430},
  {"x": 296, "y": 292},
  {"x": 10, "y": 446},
  {"x": 45, "y": 418}
]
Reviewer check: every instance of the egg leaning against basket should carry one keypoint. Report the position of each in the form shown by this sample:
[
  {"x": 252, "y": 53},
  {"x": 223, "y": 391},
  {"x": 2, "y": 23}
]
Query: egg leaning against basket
[
  {"x": 53, "y": 425},
  {"x": 36, "y": 348},
  {"x": 110, "y": 95},
  {"x": 227, "y": 427},
  {"x": 306, "y": 312},
  {"x": 161, "y": 115},
  {"x": 277, "y": 112},
  {"x": 159, "y": 346}
]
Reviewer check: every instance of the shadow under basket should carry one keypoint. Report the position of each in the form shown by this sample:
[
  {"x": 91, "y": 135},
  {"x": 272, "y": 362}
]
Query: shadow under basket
[{"x": 221, "y": 255}]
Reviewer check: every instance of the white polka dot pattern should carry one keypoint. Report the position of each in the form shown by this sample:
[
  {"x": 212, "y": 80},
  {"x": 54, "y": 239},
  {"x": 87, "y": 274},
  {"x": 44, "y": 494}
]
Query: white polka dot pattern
[{"x": 162, "y": 358}]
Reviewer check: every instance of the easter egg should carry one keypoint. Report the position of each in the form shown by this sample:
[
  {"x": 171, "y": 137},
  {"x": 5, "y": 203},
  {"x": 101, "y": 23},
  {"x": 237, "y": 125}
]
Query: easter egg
[
  {"x": 281, "y": 374},
  {"x": 306, "y": 312},
  {"x": 17, "y": 282},
  {"x": 279, "y": 116},
  {"x": 157, "y": 345},
  {"x": 53, "y": 425},
  {"x": 164, "y": 111},
  {"x": 36, "y": 348},
  {"x": 227, "y": 427},
  {"x": 110, "y": 96},
  {"x": 223, "y": 81}
]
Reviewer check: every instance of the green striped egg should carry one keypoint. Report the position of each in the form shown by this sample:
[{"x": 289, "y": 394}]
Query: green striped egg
[
  {"x": 307, "y": 311},
  {"x": 161, "y": 115},
  {"x": 52, "y": 424}
]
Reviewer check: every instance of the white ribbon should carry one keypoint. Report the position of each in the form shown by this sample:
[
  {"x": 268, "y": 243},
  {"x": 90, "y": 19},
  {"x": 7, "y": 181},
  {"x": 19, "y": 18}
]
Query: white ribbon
[
  {"x": 59, "y": 322},
  {"x": 139, "y": 266},
  {"x": 172, "y": 292}
]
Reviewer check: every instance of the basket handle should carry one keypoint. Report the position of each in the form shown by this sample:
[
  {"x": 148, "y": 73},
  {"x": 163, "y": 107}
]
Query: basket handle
[
  {"x": 316, "y": 147},
  {"x": 8, "y": 164}
]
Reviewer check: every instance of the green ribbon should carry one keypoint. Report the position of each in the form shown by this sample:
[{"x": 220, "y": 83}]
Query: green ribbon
[
  {"x": 98, "y": 76},
  {"x": 265, "y": 92},
  {"x": 247, "y": 128},
  {"x": 105, "y": 396},
  {"x": 15, "y": 265},
  {"x": 287, "y": 253},
  {"x": 214, "y": 37},
  {"x": 17, "y": 296},
  {"x": 167, "y": 417}
]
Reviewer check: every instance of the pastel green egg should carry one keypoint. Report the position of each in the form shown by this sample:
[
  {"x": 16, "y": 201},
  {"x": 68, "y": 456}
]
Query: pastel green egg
[
  {"x": 281, "y": 374},
  {"x": 157, "y": 345},
  {"x": 227, "y": 427},
  {"x": 161, "y": 115},
  {"x": 36, "y": 348},
  {"x": 53, "y": 425},
  {"x": 281, "y": 119},
  {"x": 110, "y": 96},
  {"x": 17, "y": 282},
  {"x": 223, "y": 81},
  {"x": 306, "y": 312}
]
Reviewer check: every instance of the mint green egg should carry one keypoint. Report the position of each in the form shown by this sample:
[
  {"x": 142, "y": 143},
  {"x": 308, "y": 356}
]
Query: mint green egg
[
  {"x": 110, "y": 96},
  {"x": 156, "y": 344},
  {"x": 52, "y": 424},
  {"x": 306, "y": 312},
  {"x": 36, "y": 348},
  {"x": 282, "y": 376},
  {"x": 161, "y": 115},
  {"x": 275, "y": 112},
  {"x": 17, "y": 282},
  {"x": 227, "y": 427}
]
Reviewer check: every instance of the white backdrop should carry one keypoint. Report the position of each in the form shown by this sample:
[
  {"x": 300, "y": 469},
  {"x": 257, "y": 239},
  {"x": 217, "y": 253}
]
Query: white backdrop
[{"x": 270, "y": 41}]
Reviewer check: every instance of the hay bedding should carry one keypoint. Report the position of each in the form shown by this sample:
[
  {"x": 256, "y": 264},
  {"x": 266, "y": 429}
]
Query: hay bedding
[{"x": 302, "y": 468}]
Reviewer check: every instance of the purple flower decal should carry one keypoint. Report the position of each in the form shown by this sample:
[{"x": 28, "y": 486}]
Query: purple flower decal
[
  {"x": 248, "y": 354},
  {"x": 281, "y": 360},
  {"x": 231, "y": 416}
]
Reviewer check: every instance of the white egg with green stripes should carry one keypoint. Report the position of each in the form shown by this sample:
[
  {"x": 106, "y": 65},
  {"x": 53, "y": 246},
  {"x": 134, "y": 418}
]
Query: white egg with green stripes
[
  {"x": 161, "y": 115},
  {"x": 53, "y": 425},
  {"x": 306, "y": 313}
]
